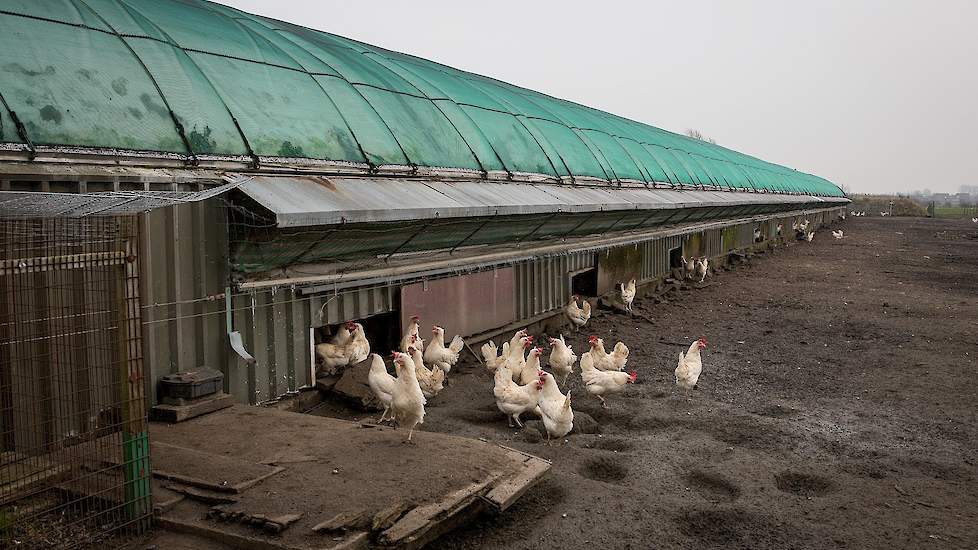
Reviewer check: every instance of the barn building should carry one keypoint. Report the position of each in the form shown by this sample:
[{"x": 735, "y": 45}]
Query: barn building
[{"x": 221, "y": 189}]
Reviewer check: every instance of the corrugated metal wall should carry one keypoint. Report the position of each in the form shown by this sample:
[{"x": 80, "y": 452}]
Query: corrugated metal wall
[
  {"x": 713, "y": 243},
  {"x": 543, "y": 285},
  {"x": 657, "y": 256},
  {"x": 185, "y": 314},
  {"x": 184, "y": 275},
  {"x": 275, "y": 326},
  {"x": 185, "y": 269}
]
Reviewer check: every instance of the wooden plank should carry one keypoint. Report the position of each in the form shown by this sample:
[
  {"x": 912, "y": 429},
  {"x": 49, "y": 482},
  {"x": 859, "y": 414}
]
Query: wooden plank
[
  {"x": 418, "y": 521},
  {"x": 344, "y": 521},
  {"x": 202, "y": 495},
  {"x": 199, "y": 407},
  {"x": 193, "y": 467},
  {"x": 504, "y": 494}
]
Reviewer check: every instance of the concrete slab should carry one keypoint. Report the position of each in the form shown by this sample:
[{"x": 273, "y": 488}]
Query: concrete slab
[{"x": 340, "y": 484}]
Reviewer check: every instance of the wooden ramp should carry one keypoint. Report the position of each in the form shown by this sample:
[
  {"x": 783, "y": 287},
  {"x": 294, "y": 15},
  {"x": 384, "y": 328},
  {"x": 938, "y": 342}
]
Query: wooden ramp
[{"x": 253, "y": 477}]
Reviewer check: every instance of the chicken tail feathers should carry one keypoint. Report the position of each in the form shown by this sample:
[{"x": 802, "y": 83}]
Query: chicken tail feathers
[
  {"x": 489, "y": 352},
  {"x": 456, "y": 345}
]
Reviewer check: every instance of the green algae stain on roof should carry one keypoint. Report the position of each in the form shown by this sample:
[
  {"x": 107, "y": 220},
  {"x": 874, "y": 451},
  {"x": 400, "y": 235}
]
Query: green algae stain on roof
[{"x": 108, "y": 73}]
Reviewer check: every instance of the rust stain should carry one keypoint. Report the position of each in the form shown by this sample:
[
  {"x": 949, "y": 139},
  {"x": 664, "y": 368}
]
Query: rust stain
[
  {"x": 326, "y": 183},
  {"x": 318, "y": 180}
]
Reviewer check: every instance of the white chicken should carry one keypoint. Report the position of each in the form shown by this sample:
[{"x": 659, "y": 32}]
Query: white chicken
[
  {"x": 412, "y": 330},
  {"x": 343, "y": 334},
  {"x": 809, "y": 236},
  {"x": 407, "y": 400},
  {"x": 837, "y": 234},
  {"x": 381, "y": 383},
  {"x": 627, "y": 294},
  {"x": 757, "y": 235},
  {"x": 690, "y": 366},
  {"x": 515, "y": 340},
  {"x": 554, "y": 408},
  {"x": 578, "y": 316},
  {"x": 603, "y": 360},
  {"x": 516, "y": 359},
  {"x": 513, "y": 399},
  {"x": 702, "y": 268},
  {"x": 332, "y": 356},
  {"x": 689, "y": 266},
  {"x": 437, "y": 355},
  {"x": 562, "y": 359},
  {"x": 779, "y": 228},
  {"x": 523, "y": 374},
  {"x": 431, "y": 381},
  {"x": 974, "y": 220},
  {"x": 601, "y": 383},
  {"x": 491, "y": 356}
]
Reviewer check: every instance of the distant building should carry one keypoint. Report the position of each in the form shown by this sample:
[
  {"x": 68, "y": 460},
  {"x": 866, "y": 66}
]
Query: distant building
[
  {"x": 941, "y": 198},
  {"x": 964, "y": 199}
]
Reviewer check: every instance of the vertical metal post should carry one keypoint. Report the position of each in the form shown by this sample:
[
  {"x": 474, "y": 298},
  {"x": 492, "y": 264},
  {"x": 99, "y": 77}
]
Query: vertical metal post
[{"x": 135, "y": 436}]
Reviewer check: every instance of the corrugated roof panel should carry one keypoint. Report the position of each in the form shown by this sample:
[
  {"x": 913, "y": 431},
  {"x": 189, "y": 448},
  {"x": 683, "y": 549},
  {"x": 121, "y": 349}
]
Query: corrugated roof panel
[{"x": 316, "y": 200}]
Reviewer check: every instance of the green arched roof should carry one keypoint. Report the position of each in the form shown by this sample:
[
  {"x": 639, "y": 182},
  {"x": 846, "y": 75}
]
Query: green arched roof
[{"x": 129, "y": 74}]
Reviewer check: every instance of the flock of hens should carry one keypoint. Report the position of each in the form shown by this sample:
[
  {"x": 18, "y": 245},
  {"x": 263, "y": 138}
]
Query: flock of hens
[{"x": 520, "y": 383}]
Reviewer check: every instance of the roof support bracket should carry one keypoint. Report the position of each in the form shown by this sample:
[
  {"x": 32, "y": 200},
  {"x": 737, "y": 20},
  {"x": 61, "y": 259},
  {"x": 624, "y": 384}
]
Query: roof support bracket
[
  {"x": 22, "y": 132},
  {"x": 21, "y": 129},
  {"x": 191, "y": 156},
  {"x": 255, "y": 162}
]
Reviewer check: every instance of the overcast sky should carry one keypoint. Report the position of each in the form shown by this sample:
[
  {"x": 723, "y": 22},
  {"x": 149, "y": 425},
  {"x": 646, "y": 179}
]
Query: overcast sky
[{"x": 873, "y": 95}]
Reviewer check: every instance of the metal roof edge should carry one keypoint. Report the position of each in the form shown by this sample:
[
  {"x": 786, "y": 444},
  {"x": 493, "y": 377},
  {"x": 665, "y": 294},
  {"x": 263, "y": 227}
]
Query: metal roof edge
[{"x": 308, "y": 200}]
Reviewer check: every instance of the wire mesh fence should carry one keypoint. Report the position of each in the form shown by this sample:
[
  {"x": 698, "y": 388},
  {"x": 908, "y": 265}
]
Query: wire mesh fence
[{"x": 74, "y": 450}]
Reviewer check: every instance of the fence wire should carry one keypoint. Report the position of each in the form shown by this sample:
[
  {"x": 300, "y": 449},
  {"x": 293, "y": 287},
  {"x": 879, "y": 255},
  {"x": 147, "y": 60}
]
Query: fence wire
[{"x": 74, "y": 450}]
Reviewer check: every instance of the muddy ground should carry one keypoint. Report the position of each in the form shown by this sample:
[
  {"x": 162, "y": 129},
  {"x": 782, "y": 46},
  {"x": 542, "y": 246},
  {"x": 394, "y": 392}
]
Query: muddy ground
[{"x": 837, "y": 408}]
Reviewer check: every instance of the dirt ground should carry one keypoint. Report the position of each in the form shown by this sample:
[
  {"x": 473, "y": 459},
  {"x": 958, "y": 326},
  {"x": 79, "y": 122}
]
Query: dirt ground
[{"x": 837, "y": 408}]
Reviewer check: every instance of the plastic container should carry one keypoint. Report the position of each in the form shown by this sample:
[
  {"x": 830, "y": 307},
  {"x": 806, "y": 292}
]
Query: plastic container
[{"x": 191, "y": 385}]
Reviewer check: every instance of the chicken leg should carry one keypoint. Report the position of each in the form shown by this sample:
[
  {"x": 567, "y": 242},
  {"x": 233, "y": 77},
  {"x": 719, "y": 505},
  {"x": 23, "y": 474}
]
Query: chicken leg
[
  {"x": 383, "y": 416},
  {"x": 603, "y": 404}
]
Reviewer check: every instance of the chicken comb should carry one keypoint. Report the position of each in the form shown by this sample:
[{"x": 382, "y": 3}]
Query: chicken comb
[{"x": 632, "y": 376}]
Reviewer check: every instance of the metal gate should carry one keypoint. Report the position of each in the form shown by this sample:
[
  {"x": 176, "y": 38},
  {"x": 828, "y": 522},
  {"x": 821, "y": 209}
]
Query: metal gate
[{"x": 74, "y": 450}]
